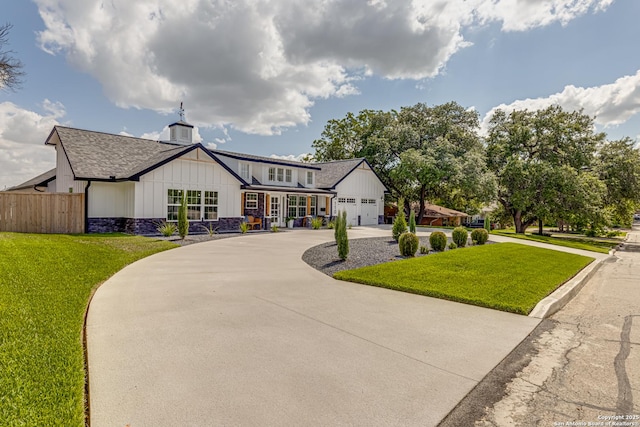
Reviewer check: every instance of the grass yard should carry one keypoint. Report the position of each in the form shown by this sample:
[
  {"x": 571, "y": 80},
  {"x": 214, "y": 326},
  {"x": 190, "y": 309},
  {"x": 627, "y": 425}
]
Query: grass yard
[
  {"x": 45, "y": 284},
  {"x": 503, "y": 276},
  {"x": 585, "y": 243}
]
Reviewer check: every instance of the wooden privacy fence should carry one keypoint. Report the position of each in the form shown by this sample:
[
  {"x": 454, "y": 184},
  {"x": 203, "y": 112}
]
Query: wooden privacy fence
[{"x": 42, "y": 212}]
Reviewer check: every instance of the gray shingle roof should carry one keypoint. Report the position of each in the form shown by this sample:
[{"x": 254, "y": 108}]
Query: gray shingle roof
[
  {"x": 39, "y": 180},
  {"x": 98, "y": 155},
  {"x": 331, "y": 173}
]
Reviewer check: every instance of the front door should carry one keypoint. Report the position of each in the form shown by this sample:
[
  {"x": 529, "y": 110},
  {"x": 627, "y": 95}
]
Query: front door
[{"x": 276, "y": 211}]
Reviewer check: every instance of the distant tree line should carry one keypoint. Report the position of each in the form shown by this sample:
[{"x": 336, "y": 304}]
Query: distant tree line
[{"x": 542, "y": 166}]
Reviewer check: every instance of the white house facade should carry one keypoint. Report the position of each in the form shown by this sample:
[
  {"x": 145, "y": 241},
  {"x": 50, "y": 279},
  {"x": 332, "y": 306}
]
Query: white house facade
[{"x": 132, "y": 184}]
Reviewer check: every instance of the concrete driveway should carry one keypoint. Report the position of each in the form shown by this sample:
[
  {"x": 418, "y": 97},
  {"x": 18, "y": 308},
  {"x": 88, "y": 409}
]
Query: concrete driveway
[{"x": 242, "y": 332}]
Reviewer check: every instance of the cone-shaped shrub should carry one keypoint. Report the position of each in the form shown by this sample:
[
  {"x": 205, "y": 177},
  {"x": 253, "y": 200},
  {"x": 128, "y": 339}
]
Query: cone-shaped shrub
[
  {"x": 183, "y": 222},
  {"x": 343, "y": 240},
  {"x": 412, "y": 222},
  {"x": 408, "y": 244},
  {"x": 399, "y": 226},
  {"x": 438, "y": 241},
  {"x": 460, "y": 236}
]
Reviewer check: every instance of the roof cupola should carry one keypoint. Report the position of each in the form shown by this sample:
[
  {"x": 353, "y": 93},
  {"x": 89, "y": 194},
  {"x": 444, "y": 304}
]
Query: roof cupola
[{"x": 181, "y": 132}]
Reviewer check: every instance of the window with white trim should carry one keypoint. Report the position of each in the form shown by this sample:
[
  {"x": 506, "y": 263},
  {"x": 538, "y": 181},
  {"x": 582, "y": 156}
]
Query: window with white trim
[
  {"x": 197, "y": 207},
  {"x": 211, "y": 205},
  {"x": 297, "y": 206},
  {"x": 312, "y": 205},
  {"x": 272, "y": 174},
  {"x": 173, "y": 204},
  {"x": 251, "y": 201},
  {"x": 287, "y": 175},
  {"x": 280, "y": 175},
  {"x": 194, "y": 205},
  {"x": 309, "y": 177},
  {"x": 245, "y": 171}
]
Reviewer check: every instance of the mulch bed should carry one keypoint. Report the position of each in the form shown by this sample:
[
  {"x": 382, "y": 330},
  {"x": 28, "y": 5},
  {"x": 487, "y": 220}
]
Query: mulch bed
[{"x": 362, "y": 253}]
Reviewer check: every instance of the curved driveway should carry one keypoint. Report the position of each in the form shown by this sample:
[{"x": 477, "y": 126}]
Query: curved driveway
[{"x": 242, "y": 332}]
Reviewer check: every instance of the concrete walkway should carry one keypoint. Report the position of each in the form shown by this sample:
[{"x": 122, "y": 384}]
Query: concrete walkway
[{"x": 242, "y": 332}]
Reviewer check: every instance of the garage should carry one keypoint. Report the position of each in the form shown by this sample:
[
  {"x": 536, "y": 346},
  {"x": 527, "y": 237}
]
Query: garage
[
  {"x": 368, "y": 212},
  {"x": 348, "y": 204}
]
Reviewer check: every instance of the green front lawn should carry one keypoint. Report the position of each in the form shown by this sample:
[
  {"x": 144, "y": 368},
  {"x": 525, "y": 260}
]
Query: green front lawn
[
  {"x": 504, "y": 276},
  {"x": 45, "y": 285},
  {"x": 585, "y": 243}
]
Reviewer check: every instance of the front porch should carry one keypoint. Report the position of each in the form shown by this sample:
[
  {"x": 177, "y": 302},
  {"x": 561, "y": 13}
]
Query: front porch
[{"x": 292, "y": 207}]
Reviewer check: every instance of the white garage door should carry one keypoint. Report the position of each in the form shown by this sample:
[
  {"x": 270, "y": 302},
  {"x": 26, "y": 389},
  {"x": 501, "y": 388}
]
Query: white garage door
[
  {"x": 369, "y": 212},
  {"x": 348, "y": 204}
]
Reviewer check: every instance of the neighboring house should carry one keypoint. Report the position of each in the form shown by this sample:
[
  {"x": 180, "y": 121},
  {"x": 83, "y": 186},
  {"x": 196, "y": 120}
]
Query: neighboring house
[
  {"x": 433, "y": 215},
  {"x": 132, "y": 184}
]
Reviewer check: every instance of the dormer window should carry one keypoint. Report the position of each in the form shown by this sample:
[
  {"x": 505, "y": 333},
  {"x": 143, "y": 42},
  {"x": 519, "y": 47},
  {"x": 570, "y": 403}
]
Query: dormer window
[
  {"x": 245, "y": 171},
  {"x": 287, "y": 175},
  {"x": 309, "y": 177}
]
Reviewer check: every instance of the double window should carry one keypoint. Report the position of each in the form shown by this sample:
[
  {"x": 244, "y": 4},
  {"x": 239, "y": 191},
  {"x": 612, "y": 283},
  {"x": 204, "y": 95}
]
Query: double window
[
  {"x": 297, "y": 206},
  {"x": 251, "y": 201},
  {"x": 198, "y": 207}
]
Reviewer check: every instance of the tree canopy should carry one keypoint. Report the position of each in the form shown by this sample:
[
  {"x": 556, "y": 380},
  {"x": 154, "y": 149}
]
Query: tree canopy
[
  {"x": 10, "y": 68},
  {"x": 549, "y": 165},
  {"x": 420, "y": 152}
]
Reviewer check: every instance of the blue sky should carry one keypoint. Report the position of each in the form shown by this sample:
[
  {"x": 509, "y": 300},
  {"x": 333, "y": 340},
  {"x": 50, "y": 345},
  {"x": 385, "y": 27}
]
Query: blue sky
[{"x": 264, "y": 76}]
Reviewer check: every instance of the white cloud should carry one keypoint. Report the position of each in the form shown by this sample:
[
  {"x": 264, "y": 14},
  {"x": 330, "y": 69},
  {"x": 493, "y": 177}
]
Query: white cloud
[
  {"x": 291, "y": 157},
  {"x": 259, "y": 65},
  {"x": 612, "y": 104},
  {"x": 23, "y": 154},
  {"x": 522, "y": 15}
]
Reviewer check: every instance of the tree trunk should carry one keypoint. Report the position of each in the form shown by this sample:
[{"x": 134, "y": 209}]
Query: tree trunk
[
  {"x": 540, "y": 227},
  {"x": 421, "y": 211}
]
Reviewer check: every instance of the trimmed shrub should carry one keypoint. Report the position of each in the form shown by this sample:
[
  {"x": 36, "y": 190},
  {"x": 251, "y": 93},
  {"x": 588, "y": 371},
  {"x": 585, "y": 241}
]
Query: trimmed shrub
[
  {"x": 408, "y": 244},
  {"x": 453, "y": 245},
  {"x": 412, "y": 222},
  {"x": 438, "y": 241},
  {"x": 460, "y": 236},
  {"x": 479, "y": 236},
  {"x": 343, "y": 239},
  {"x": 331, "y": 225},
  {"x": 424, "y": 250},
  {"x": 183, "y": 222},
  {"x": 399, "y": 226}
]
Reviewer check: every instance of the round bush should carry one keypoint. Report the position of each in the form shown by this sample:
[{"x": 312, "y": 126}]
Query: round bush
[
  {"x": 438, "y": 241},
  {"x": 408, "y": 244},
  {"x": 479, "y": 236},
  {"x": 453, "y": 245},
  {"x": 460, "y": 236}
]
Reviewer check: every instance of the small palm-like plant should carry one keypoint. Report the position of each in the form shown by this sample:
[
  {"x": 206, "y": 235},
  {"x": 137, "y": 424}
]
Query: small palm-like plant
[
  {"x": 244, "y": 227},
  {"x": 316, "y": 223},
  {"x": 167, "y": 229}
]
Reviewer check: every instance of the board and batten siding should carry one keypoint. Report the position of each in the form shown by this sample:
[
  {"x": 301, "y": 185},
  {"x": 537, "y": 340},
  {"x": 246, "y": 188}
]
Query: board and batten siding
[
  {"x": 362, "y": 183},
  {"x": 194, "y": 171},
  {"x": 111, "y": 199},
  {"x": 64, "y": 175}
]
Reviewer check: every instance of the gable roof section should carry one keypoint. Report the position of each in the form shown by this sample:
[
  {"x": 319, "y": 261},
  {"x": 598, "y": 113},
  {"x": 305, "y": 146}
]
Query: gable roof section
[
  {"x": 333, "y": 173},
  {"x": 38, "y": 181},
  {"x": 269, "y": 160},
  {"x": 107, "y": 157},
  {"x": 436, "y": 211}
]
